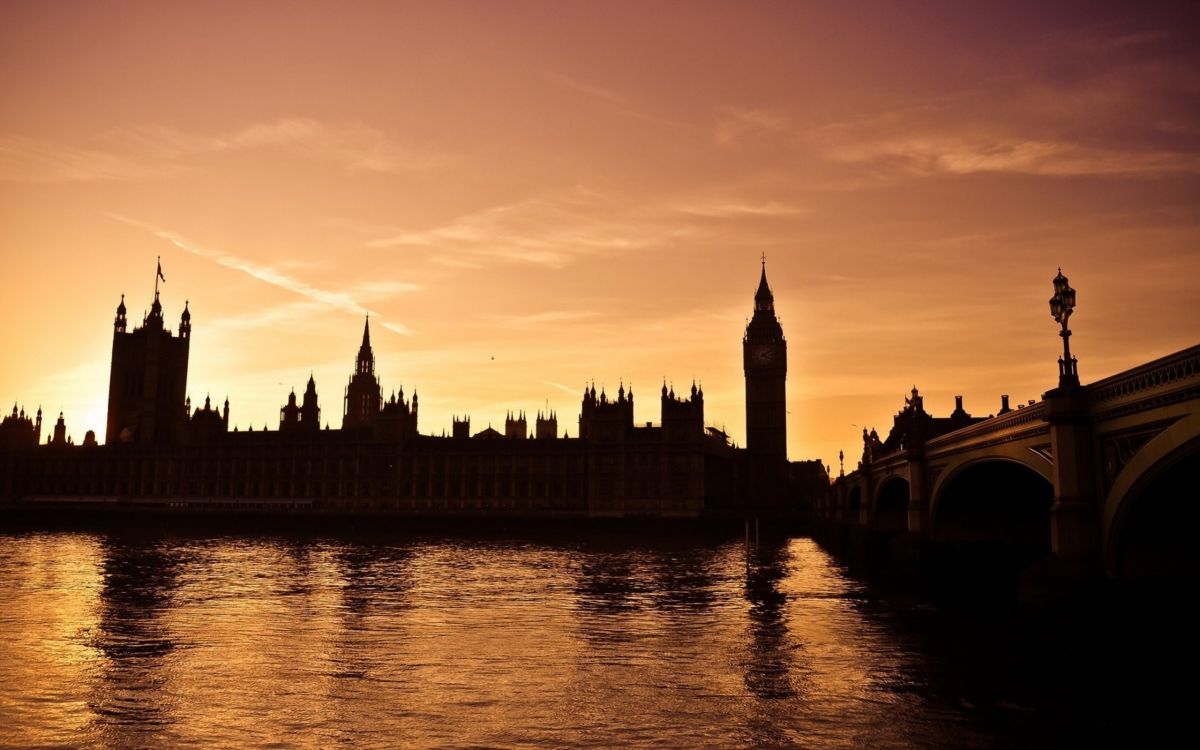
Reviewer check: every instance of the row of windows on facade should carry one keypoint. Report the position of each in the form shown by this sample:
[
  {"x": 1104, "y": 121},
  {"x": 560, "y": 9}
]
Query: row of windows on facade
[
  {"x": 441, "y": 468},
  {"x": 675, "y": 488}
]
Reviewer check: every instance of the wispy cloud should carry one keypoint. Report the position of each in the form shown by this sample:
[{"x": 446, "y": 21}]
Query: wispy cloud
[
  {"x": 548, "y": 230},
  {"x": 338, "y": 300},
  {"x": 564, "y": 388},
  {"x": 543, "y": 318},
  {"x": 156, "y": 151},
  {"x": 722, "y": 210},
  {"x": 588, "y": 89},
  {"x": 356, "y": 146},
  {"x": 736, "y": 124},
  {"x": 963, "y": 154},
  {"x": 373, "y": 290},
  {"x": 268, "y": 317},
  {"x": 612, "y": 100},
  {"x": 30, "y": 160},
  {"x": 399, "y": 328},
  {"x": 1035, "y": 115}
]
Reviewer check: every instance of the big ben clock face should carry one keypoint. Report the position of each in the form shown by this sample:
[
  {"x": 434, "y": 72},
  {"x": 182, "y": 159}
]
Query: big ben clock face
[{"x": 763, "y": 355}]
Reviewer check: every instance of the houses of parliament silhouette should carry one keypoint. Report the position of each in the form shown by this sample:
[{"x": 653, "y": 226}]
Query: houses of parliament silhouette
[{"x": 160, "y": 452}]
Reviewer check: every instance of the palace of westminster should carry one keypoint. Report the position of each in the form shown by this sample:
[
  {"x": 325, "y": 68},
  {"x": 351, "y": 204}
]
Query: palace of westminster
[{"x": 159, "y": 452}]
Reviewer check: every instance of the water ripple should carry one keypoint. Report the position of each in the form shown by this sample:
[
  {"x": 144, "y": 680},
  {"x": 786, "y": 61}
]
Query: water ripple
[{"x": 262, "y": 642}]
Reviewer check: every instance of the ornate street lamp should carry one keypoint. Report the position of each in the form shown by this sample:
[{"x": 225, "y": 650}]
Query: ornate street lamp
[{"x": 1061, "y": 305}]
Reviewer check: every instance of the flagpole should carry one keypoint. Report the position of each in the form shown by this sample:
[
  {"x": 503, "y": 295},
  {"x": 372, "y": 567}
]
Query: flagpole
[{"x": 158, "y": 276}]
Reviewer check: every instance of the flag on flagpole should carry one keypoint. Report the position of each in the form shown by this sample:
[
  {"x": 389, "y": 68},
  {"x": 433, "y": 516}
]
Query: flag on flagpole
[{"x": 160, "y": 275}]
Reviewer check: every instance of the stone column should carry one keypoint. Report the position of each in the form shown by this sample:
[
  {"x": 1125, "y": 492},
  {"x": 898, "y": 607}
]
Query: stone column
[
  {"x": 866, "y": 505},
  {"x": 1074, "y": 517},
  {"x": 918, "y": 495}
]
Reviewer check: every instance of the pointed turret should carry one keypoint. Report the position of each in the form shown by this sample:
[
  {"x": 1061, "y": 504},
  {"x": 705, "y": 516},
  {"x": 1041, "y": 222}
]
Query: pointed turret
[
  {"x": 120, "y": 322},
  {"x": 289, "y": 415},
  {"x": 185, "y": 321},
  {"x": 60, "y": 431},
  {"x": 763, "y": 299}
]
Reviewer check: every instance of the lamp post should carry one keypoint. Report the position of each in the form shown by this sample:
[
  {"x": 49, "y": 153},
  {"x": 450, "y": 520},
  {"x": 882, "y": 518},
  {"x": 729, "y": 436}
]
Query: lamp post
[{"x": 1061, "y": 305}]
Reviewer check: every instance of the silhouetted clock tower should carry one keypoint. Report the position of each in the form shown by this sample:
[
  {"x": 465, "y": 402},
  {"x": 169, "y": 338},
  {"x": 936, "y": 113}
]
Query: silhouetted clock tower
[{"x": 764, "y": 357}]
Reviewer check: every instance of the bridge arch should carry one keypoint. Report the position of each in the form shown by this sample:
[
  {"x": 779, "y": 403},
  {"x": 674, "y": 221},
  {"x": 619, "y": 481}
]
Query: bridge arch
[
  {"x": 892, "y": 497},
  {"x": 1149, "y": 519},
  {"x": 995, "y": 501},
  {"x": 1020, "y": 452}
]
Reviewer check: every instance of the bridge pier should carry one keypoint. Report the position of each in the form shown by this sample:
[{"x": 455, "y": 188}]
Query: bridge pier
[
  {"x": 919, "y": 522},
  {"x": 1074, "y": 516}
]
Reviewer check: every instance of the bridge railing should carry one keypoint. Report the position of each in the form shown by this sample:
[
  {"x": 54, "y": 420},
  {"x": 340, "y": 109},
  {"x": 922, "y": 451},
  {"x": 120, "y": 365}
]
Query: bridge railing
[
  {"x": 1174, "y": 368},
  {"x": 1015, "y": 418},
  {"x": 1165, "y": 373}
]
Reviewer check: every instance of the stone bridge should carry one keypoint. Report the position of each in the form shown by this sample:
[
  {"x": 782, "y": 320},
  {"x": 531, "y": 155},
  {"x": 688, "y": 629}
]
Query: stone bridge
[{"x": 1104, "y": 476}]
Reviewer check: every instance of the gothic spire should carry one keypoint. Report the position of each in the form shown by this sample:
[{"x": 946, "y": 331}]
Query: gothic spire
[
  {"x": 763, "y": 299},
  {"x": 366, "y": 358}
]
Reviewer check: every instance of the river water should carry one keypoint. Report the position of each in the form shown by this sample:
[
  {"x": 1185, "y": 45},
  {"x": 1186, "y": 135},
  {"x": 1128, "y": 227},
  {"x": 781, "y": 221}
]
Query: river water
[{"x": 266, "y": 641}]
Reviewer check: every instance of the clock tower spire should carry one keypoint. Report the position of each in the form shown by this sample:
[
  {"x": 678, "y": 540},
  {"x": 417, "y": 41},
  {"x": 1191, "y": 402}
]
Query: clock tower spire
[{"x": 764, "y": 358}]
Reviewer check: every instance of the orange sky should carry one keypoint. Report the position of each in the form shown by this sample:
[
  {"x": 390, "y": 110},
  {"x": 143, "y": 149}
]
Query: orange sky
[{"x": 583, "y": 190}]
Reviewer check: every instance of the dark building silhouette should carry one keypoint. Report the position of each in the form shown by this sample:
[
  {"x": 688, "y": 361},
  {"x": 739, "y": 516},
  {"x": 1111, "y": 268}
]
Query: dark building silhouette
[
  {"x": 148, "y": 381},
  {"x": 289, "y": 415},
  {"x": 460, "y": 428},
  {"x": 764, "y": 359},
  {"x": 912, "y": 426},
  {"x": 160, "y": 452},
  {"x": 60, "y": 432},
  {"x": 310, "y": 413},
  {"x": 362, "y": 393},
  {"x": 516, "y": 427},
  {"x": 207, "y": 424},
  {"x": 546, "y": 426},
  {"x": 18, "y": 430}
]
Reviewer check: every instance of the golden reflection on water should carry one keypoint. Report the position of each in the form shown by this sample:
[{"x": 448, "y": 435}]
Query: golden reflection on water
[
  {"x": 120, "y": 641},
  {"x": 50, "y": 593}
]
